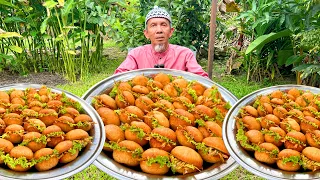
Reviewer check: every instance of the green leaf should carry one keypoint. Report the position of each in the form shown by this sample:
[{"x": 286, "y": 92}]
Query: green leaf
[
  {"x": 50, "y": 4},
  {"x": 283, "y": 55},
  {"x": 43, "y": 26},
  {"x": 264, "y": 39},
  {"x": 7, "y": 57},
  {"x": 16, "y": 49},
  {"x": 9, "y": 34},
  {"x": 301, "y": 67},
  {"x": 294, "y": 59},
  {"x": 13, "y": 20},
  {"x": 3, "y": 2}
]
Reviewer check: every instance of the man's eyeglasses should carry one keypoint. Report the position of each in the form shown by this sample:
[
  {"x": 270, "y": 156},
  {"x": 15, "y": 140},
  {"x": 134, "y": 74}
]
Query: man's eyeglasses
[{"x": 159, "y": 66}]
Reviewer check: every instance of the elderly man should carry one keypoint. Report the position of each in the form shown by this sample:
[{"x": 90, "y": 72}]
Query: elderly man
[{"x": 160, "y": 54}]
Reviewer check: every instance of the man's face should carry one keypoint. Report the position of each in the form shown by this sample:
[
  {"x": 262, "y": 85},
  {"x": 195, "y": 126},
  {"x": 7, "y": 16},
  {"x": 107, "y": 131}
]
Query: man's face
[{"x": 158, "y": 31}]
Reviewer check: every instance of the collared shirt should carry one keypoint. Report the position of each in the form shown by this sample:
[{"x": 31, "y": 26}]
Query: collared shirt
[{"x": 175, "y": 57}]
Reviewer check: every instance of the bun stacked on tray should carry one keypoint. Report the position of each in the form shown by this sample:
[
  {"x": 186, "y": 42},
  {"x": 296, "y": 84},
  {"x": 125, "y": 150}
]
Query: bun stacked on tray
[
  {"x": 163, "y": 124},
  {"x": 41, "y": 129},
  {"x": 281, "y": 129}
]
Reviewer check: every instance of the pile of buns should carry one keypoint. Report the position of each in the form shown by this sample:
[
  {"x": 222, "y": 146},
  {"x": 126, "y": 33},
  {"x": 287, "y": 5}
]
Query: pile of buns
[
  {"x": 40, "y": 129},
  {"x": 162, "y": 124},
  {"x": 282, "y": 129}
]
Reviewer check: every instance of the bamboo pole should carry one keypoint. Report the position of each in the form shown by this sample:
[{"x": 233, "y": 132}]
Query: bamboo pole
[{"x": 212, "y": 36}]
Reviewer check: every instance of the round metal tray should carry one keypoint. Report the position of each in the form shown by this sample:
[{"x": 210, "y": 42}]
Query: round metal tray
[
  {"x": 87, "y": 156},
  {"x": 229, "y": 132},
  {"x": 111, "y": 167}
]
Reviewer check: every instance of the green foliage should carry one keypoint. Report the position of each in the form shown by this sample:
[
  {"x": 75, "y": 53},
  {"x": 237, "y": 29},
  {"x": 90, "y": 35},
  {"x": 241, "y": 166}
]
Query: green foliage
[
  {"x": 190, "y": 20},
  {"x": 264, "y": 39},
  {"x": 65, "y": 36},
  {"x": 269, "y": 24}
]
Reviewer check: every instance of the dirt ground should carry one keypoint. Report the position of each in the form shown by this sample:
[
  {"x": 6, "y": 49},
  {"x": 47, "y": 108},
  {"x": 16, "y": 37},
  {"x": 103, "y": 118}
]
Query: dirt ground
[{"x": 43, "y": 78}]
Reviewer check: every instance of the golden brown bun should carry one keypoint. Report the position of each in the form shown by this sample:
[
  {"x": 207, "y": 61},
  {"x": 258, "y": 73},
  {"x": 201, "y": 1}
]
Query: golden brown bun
[
  {"x": 2, "y": 125},
  {"x": 161, "y": 144},
  {"x": 255, "y": 136},
  {"x": 124, "y": 86},
  {"x": 216, "y": 143},
  {"x": 153, "y": 85},
  {"x": 269, "y": 120},
  {"x": 250, "y": 110},
  {"x": 312, "y": 153},
  {"x": 20, "y": 151},
  {"x": 187, "y": 155},
  {"x": 77, "y": 134},
  {"x": 144, "y": 103},
  {"x": 53, "y": 141},
  {"x": 125, "y": 114},
  {"x": 213, "y": 128},
  {"x": 85, "y": 119},
  {"x": 288, "y": 166},
  {"x": 139, "y": 80},
  {"x": 179, "y": 102},
  {"x": 192, "y": 132},
  {"x": 180, "y": 82},
  {"x": 140, "y": 89},
  {"x": 199, "y": 88},
  {"x": 128, "y": 99},
  {"x": 202, "y": 110},
  {"x": 295, "y": 114},
  {"x": 5, "y": 145},
  {"x": 114, "y": 133},
  {"x": 107, "y": 101},
  {"x": 271, "y": 139},
  {"x": 265, "y": 109},
  {"x": 290, "y": 124},
  {"x": 14, "y": 136},
  {"x": 164, "y": 79},
  {"x": 126, "y": 157},
  {"x": 266, "y": 157},
  {"x": 154, "y": 168},
  {"x": 48, "y": 116},
  {"x": 68, "y": 157},
  {"x": 159, "y": 117},
  {"x": 170, "y": 90},
  {"x": 167, "y": 105},
  {"x": 251, "y": 123},
  {"x": 306, "y": 126},
  {"x": 133, "y": 136},
  {"x": 293, "y": 145},
  {"x": 313, "y": 138},
  {"x": 71, "y": 112},
  {"x": 108, "y": 116},
  {"x": 63, "y": 121},
  {"x": 33, "y": 145},
  {"x": 46, "y": 164},
  {"x": 12, "y": 118},
  {"x": 34, "y": 125},
  {"x": 63, "y": 146},
  {"x": 178, "y": 119}
]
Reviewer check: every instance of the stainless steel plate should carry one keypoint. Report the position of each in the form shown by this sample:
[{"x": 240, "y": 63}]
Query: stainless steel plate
[
  {"x": 87, "y": 156},
  {"x": 109, "y": 166},
  {"x": 229, "y": 132}
]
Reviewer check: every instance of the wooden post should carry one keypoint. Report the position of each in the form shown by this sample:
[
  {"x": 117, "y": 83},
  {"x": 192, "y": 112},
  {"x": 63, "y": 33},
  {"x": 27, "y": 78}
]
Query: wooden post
[{"x": 212, "y": 36}]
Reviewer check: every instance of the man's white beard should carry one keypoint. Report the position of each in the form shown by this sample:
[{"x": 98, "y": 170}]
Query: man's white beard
[{"x": 160, "y": 48}]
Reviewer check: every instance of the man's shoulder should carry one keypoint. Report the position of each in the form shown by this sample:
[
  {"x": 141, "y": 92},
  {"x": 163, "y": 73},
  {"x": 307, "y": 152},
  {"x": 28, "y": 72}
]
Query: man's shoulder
[
  {"x": 180, "y": 48},
  {"x": 140, "y": 48}
]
